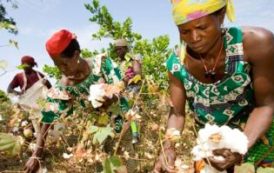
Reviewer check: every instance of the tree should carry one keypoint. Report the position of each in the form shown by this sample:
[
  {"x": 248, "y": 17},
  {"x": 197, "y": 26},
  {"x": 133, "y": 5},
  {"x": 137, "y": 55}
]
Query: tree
[
  {"x": 6, "y": 22},
  {"x": 154, "y": 52}
]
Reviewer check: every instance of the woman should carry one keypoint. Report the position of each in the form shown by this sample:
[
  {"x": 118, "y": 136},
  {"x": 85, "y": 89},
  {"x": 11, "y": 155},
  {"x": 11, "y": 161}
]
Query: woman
[
  {"x": 28, "y": 78},
  {"x": 130, "y": 64},
  {"x": 77, "y": 76},
  {"x": 225, "y": 75}
]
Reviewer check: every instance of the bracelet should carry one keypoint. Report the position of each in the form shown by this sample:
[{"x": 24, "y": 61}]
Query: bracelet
[{"x": 172, "y": 134}]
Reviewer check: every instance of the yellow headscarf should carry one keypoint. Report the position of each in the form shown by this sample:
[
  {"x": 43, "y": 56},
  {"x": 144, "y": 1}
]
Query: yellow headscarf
[{"x": 187, "y": 10}]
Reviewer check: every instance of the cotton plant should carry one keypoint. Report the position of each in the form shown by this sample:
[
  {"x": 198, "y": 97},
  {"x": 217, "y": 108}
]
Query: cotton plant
[{"x": 213, "y": 137}]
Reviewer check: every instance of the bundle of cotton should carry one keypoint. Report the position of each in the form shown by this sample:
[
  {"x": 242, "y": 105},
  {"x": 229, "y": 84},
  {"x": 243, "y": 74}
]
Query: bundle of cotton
[
  {"x": 214, "y": 137},
  {"x": 98, "y": 93}
]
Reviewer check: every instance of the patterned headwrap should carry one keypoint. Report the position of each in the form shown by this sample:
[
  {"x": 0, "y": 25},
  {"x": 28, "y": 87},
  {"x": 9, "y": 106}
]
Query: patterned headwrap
[{"x": 184, "y": 11}]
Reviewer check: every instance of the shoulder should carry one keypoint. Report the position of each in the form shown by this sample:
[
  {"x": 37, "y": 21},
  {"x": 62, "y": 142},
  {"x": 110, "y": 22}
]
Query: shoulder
[
  {"x": 19, "y": 75},
  {"x": 258, "y": 43}
]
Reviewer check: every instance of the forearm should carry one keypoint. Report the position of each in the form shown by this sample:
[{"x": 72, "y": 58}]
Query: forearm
[
  {"x": 258, "y": 123},
  {"x": 137, "y": 68},
  {"x": 175, "y": 121},
  {"x": 12, "y": 90},
  {"x": 41, "y": 140}
]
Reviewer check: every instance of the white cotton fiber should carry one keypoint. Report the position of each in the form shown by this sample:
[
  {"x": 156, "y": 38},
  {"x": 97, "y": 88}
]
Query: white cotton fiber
[{"x": 214, "y": 137}]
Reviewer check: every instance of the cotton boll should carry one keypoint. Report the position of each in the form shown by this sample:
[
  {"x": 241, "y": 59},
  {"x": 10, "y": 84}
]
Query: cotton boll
[
  {"x": 96, "y": 95},
  {"x": 213, "y": 137},
  {"x": 235, "y": 140}
]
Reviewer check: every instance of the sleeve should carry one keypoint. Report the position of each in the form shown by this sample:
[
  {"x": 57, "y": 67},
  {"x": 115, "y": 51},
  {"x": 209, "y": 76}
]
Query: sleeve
[
  {"x": 58, "y": 102},
  {"x": 111, "y": 71},
  {"x": 175, "y": 67}
]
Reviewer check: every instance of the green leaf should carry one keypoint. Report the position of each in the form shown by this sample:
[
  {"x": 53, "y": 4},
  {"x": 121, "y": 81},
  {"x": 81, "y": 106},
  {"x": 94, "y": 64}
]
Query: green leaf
[
  {"x": 93, "y": 129},
  {"x": 115, "y": 161},
  {"x": 22, "y": 66},
  {"x": 108, "y": 167},
  {"x": 10, "y": 144},
  {"x": 103, "y": 120},
  {"x": 113, "y": 164},
  {"x": 101, "y": 133}
]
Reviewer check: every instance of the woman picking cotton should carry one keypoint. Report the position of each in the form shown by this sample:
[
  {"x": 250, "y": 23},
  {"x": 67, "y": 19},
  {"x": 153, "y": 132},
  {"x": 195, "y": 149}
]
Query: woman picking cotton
[
  {"x": 78, "y": 75},
  {"x": 225, "y": 75}
]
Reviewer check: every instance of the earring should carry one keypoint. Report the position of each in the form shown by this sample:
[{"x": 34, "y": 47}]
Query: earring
[
  {"x": 78, "y": 61},
  {"x": 223, "y": 30}
]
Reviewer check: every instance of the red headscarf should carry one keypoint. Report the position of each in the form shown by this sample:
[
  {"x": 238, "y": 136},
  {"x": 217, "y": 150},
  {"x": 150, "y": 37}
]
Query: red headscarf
[
  {"x": 28, "y": 60},
  {"x": 59, "y": 41}
]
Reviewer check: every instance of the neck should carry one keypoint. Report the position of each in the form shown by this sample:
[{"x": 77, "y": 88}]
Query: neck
[
  {"x": 29, "y": 71},
  {"x": 214, "y": 50}
]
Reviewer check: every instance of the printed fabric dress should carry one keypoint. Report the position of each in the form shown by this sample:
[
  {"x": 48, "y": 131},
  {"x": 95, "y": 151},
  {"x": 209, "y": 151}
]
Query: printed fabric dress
[
  {"x": 228, "y": 101},
  {"x": 61, "y": 99}
]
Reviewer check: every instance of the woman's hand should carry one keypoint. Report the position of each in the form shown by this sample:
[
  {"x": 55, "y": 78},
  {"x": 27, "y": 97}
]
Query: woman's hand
[
  {"x": 166, "y": 161},
  {"x": 108, "y": 101},
  {"x": 230, "y": 159},
  {"x": 32, "y": 165}
]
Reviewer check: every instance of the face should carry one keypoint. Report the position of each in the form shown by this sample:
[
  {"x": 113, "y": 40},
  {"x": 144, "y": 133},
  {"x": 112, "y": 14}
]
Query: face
[
  {"x": 121, "y": 51},
  {"x": 67, "y": 65},
  {"x": 28, "y": 68},
  {"x": 201, "y": 34}
]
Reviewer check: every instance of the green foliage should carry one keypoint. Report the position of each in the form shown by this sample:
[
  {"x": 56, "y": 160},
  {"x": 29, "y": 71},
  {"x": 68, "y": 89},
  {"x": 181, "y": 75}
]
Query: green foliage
[
  {"x": 85, "y": 53},
  {"x": 6, "y": 22},
  {"x": 10, "y": 144},
  {"x": 53, "y": 72},
  {"x": 154, "y": 57},
  {"x": 22, "y": 66},
  {"x": 3, "y": 97},
  {"x": 100, "y": 133},
  {"x": 111, "y": 164},
  {"x": 154, "y": 52},
  {"x": 108, "y": 27}
]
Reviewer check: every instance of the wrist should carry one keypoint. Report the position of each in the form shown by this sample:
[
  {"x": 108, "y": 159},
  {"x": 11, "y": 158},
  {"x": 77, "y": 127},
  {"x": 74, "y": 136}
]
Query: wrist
[{"x": 172, "y": 135}]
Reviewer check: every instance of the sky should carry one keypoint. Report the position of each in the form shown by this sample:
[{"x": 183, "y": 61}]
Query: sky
[{"x": 38, "y": 19}]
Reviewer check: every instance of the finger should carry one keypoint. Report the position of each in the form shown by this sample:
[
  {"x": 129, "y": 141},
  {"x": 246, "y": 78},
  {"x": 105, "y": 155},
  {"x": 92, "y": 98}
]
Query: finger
[
  {"x": 222, "y": 152},
  {"x": 217, "y": 164},
  {"x": 157, "y": 167},
  {"x": 169, "y": 165}
]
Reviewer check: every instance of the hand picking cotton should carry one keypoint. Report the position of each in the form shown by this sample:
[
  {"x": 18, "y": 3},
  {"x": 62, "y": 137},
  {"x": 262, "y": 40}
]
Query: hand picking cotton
[
  {"x": 98, "y": 93},
  {"x": 214, "y": 137}
]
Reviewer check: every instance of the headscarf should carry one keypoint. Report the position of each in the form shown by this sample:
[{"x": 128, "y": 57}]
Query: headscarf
[
  {"x": 28, "y": 60},
  {"x": 184, "y": 11},
  {"x": 59, "y": 41},
  {"x": 120, "y": 42}
]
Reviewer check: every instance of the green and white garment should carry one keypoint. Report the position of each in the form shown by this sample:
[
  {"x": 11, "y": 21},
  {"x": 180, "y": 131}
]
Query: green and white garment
[
  {"x": 227, "y": 101},
  {"x": 61, "y": 99}
]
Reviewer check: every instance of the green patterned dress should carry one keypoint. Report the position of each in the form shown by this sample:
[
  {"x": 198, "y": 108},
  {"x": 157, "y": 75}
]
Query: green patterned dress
[
  {"x": 62, "y": 99},
  {"x": 227, "y": 101}
]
